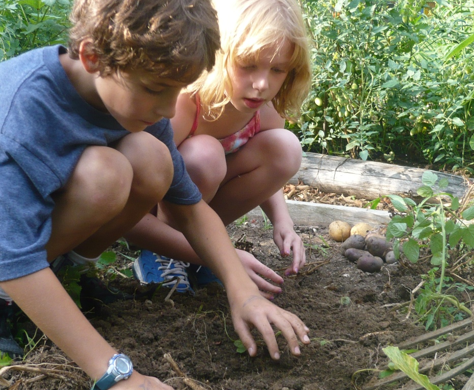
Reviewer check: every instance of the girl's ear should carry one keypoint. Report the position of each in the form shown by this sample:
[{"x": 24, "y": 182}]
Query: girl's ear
[{"x": 88, "y": 57}]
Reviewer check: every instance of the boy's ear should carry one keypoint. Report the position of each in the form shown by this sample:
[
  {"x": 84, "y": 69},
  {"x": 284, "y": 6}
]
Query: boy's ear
[{"x": 88, "y": 57}]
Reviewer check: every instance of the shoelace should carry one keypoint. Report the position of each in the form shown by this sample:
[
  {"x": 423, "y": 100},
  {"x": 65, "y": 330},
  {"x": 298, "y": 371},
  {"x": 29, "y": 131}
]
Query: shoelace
[{"x": 170, "y": 274}]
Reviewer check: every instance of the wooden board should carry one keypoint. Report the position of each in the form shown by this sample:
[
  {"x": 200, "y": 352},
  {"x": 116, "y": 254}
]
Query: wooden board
[
  {"x": 367, "y": 179},
  {"x": 316, "y": 214}
]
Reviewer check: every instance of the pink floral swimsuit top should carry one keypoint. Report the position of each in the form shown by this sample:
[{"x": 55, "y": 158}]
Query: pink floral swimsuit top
[{"x": 232, "y": 143}]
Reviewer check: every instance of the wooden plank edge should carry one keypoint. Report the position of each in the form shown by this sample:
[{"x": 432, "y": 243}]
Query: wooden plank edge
[{"x": 318, "y": 214}]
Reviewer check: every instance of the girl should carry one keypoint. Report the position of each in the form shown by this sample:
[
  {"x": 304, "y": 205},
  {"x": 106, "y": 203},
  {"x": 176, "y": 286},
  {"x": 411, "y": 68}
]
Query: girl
[{"x": 229, "y": 128}]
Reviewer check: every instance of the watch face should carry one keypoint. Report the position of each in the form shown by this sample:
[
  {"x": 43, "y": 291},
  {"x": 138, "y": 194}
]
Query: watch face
[{"x": 123, "y": 365}]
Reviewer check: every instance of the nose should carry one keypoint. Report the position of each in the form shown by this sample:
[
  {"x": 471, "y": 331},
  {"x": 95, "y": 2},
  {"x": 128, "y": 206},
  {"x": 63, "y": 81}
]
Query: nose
[
  {"x": 260, "y": 81},
  {"x": 166, "y": 108}
]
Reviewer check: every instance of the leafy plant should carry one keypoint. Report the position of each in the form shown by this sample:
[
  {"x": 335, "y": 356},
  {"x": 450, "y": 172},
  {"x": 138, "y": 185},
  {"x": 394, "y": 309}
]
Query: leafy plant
[
  {"x": 437, "y": 225},
  {"x": 409, "y": 366},
  {"x": 27, "y": 24},
  {"x": 383, "y": 85}
]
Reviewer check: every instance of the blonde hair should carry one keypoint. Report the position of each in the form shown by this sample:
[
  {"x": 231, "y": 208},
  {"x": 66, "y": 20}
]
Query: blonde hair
[
  {"x": 174, "y": 39},
  {"x": 246, "y": 28}
]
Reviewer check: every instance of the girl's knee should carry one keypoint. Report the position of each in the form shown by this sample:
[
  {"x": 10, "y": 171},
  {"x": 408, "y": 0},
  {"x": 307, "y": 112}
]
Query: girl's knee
[
  {"x": 282, "y": 150},
  {"x": 205, "y": 162}
]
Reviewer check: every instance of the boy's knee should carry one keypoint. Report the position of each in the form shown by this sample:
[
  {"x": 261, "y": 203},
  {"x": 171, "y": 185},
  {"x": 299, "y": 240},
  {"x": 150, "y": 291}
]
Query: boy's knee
[
  {"x": 151, "y": 163},
  {"x": 102, "y": 180}
]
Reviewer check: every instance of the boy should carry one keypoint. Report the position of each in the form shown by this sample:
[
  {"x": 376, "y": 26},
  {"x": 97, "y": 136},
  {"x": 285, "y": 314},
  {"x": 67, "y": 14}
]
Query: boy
[{"x": 77, "y": 170}]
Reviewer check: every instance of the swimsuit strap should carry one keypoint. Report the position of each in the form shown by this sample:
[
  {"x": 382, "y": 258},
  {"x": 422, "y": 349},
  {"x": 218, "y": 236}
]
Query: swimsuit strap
[{"x": 196, "y": 117}]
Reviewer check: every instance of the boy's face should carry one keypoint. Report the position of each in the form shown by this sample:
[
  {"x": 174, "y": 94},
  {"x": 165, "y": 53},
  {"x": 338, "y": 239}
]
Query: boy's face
[{"x": 138, "y": 100}]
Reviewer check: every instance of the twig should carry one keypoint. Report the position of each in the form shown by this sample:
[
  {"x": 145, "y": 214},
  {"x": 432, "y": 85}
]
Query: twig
[
  {"x": 412, "y": 298},
  {"x": 187, "y": 381},
  {"x": 173, "y": 289}
]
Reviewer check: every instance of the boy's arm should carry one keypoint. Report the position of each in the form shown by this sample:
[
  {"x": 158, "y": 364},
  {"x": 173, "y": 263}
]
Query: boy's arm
[
  {"x": 208, "y": 237},
  {"x": 43, "y": 299},
  {"x": 284, "y": 234}
]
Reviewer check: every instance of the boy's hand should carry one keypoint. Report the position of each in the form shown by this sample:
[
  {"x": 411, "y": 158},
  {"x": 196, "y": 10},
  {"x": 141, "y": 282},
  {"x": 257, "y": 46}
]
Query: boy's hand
[
  {"x": 255, "y": 311},
  {"x": 257, "y": 272},
  {"x": 287, "y": 240},
  {"x": 141, "y": 382}
]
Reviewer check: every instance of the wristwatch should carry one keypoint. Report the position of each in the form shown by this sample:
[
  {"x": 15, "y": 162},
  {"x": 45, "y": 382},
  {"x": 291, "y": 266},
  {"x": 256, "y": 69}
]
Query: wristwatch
[{"x": 120, "y": 368}]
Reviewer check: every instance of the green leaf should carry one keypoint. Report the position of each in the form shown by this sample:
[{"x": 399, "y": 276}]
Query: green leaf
[
  {"x": 385, "y": 373},
  {"x": 240, "y": 346},
  {"x": 397, "y": 229},
  {"x": 421, "y": 232},
  {"x": 425, "y": 192},
  {"x": 461, "y": 46},
  {"x": 454, "y": 204},
  {"x": 411, "y": 249},
  {"x": 437, "y": 259},
  {"x": 443, "y": 183},
  {"x": 5, "y": 359},
  {"x": 106, "y": 258},
  {"x": 455, "y": 236},
  {"x": 363, "y": 155},
  {"x": 468, "y": 236},
  {"x": 390, "y": 84},
  {"x": 458, "y": 122},
  {"x": 436, "y": 243},
  {"x": 396, "y": 249},
  {"x": 398, "y": 202},
  {"x": 409, "y": 366},
  {"x": 471, "y": 142},
  {"x": 450, "y": 226},
  {"x": 468, "y": 214},
  {"x": 429, "y": 178}
]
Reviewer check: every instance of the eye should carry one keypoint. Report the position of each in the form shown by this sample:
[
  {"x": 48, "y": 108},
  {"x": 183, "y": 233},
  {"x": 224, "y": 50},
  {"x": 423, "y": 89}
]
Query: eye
[
  {"x": 153, "y": 91},
  {"x": 279, "y": 70}
]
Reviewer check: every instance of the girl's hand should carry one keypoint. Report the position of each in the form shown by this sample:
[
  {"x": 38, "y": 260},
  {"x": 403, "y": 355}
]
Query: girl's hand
[
  {"x": 254, "y": 311},
  {"x": 286, "y": 240},
  {"x": 257, "y": 272},
  {"x": 141, "y": 382}
]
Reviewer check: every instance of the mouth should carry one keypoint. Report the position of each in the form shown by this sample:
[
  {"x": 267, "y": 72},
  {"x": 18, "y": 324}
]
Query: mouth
[
  {"x": 253, "y": 103},
  {"x": 148, "y": 123}
]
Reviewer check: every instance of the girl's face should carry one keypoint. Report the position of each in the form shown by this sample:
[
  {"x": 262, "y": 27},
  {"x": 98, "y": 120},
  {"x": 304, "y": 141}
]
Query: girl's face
[
  {"x": 138, "y": 100},
  {"x": 256, "y": 81}
]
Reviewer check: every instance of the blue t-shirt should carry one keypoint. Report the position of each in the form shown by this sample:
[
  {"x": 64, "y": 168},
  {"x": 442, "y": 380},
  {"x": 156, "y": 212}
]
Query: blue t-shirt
[{"x": 45, "y": 125}]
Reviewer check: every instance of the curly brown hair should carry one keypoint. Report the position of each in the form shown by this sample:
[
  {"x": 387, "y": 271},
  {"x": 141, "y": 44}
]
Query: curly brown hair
[{"x": 174, "y": 39}]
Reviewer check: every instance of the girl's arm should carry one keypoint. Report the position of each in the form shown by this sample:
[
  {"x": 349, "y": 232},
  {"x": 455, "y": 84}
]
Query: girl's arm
[{"x": 284, "y": 234}]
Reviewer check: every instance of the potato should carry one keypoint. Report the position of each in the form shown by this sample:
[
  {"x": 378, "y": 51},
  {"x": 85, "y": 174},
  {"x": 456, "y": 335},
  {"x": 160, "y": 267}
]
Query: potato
[
  {"x": 370, "y": 263},
  {"x": 390, "y": 257},
  {"x": 361, "y": 229},
  {"x": 354, "y": 241},
  {"x": 339, "y": 230},
  {"x": 354, "y": 254},
  {"x": 378, "y": 246}
]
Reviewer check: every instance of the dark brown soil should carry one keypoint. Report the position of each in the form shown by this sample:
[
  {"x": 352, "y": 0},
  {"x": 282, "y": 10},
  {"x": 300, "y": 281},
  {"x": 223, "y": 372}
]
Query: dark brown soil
[{"x": 352, "y": 316}]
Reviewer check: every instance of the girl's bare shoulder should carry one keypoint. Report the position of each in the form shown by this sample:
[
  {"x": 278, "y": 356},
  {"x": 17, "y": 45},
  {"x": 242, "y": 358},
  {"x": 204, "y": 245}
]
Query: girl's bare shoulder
[
  {"x": 270, "y": 118},
  {"x": 183, "y": 119}
]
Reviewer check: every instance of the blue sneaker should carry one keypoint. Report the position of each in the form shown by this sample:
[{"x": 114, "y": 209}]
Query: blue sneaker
[
  {"x": 152, "y": 268},
  {"x": 202, "y": 275}
]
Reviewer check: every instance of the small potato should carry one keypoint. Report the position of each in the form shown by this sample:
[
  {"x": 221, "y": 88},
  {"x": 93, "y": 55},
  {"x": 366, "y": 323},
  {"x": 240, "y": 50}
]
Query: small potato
[
  {"x": 390, "y": 257},
  {"x": 361, "y": 229},
  {"x": 370, "y": 263},
  {"x": 354, "y": 254},
  {"x": 378, "y": 246},
  {"x": 354, "y": 241},
  {"x": 339, "y": 230}
]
